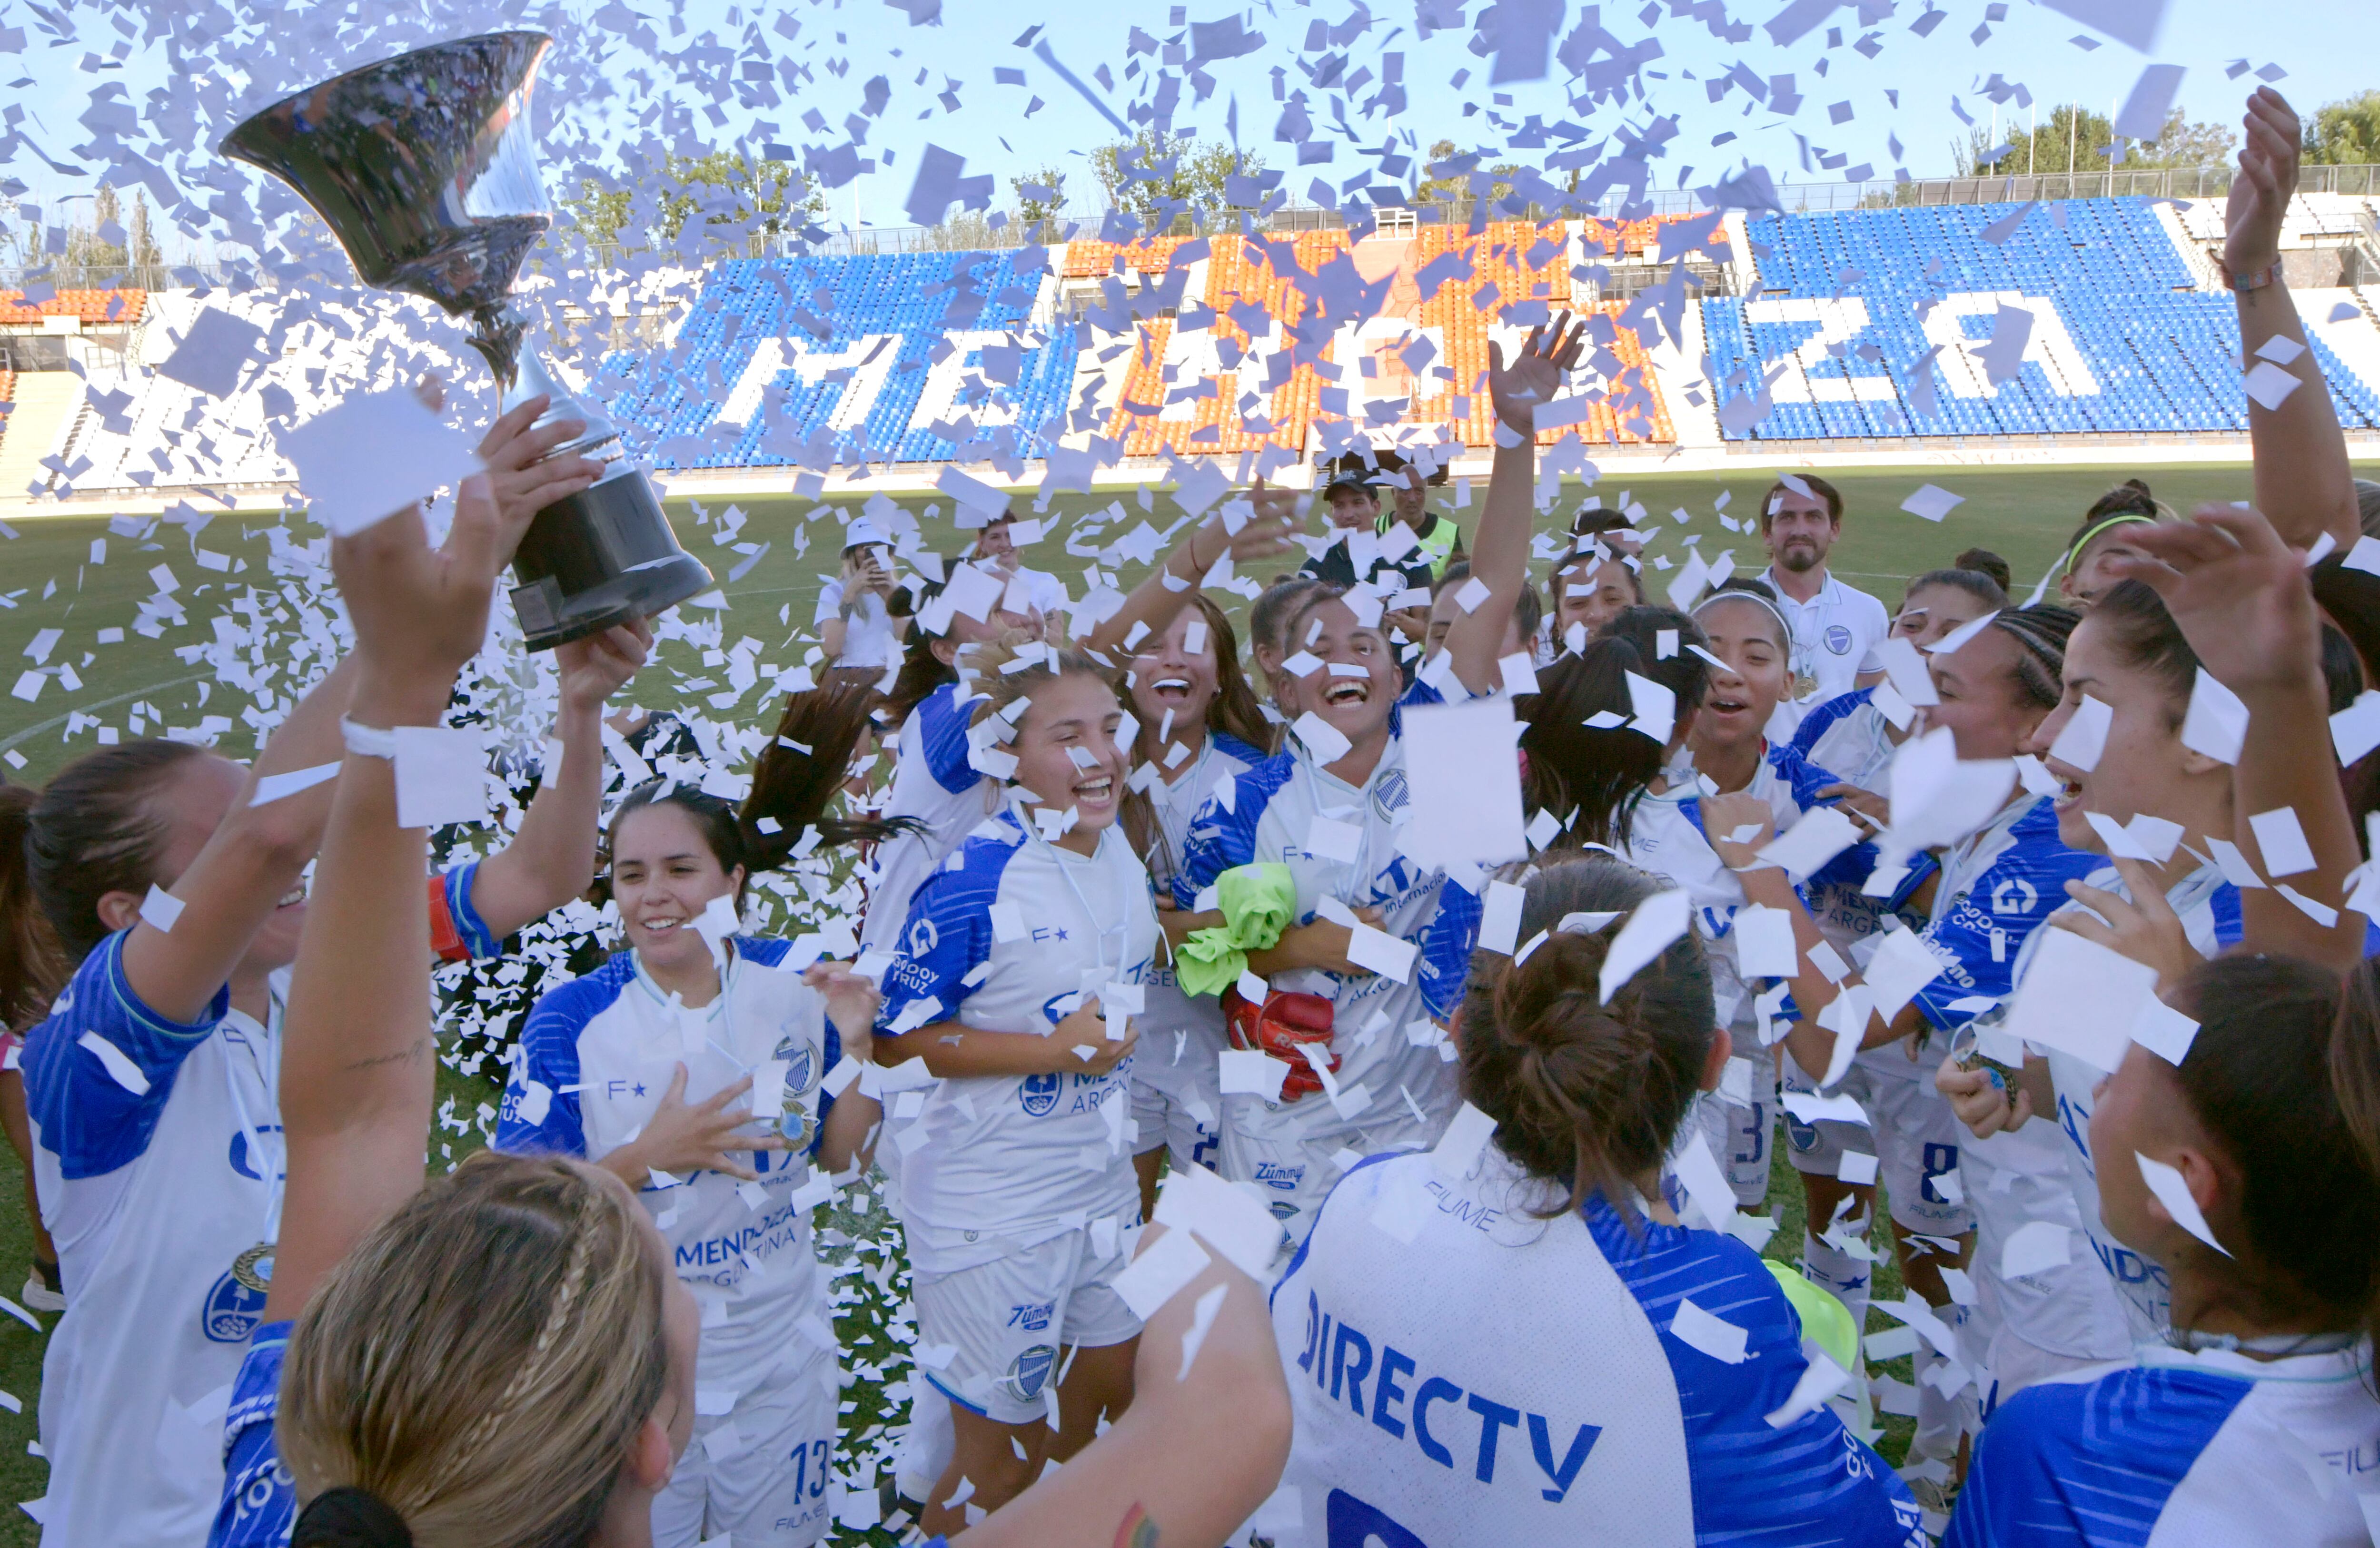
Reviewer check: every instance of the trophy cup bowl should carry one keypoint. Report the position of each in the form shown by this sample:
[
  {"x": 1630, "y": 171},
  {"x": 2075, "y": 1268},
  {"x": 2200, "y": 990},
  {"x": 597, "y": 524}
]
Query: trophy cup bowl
[{"x": 424, "y": 169}]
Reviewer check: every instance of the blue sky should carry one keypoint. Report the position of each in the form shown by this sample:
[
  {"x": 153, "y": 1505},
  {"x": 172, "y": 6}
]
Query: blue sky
[{"x": 2030, "y": 46}]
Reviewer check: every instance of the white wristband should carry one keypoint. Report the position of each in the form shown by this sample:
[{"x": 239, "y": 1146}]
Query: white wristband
[{"x": 368, "y": 742}]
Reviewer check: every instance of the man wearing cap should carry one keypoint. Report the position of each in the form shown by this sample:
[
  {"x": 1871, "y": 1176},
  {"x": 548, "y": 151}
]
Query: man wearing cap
[
  {"x": 1837, "y": 628},
  {"x": 997, "y": 543},
  {"x": 1352, "y": 499},
  {"x": 855, "y": 623}
]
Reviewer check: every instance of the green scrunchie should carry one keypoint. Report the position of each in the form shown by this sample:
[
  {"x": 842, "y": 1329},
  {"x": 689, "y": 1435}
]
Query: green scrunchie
[{"x": 1258, "y": 901}]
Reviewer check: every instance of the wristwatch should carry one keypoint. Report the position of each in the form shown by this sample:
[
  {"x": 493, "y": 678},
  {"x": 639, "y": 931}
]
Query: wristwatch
[{"x": 2255, "y": 279}]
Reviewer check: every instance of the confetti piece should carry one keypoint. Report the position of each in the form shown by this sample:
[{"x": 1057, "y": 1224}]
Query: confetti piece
[
  {"x": 1700, "y": 1331},
  {"x": 2167, "y": 1183}
]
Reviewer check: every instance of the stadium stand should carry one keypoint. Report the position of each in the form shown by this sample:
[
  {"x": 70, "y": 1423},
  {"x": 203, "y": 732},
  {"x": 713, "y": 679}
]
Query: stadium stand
[
  {"x": 112, "y": 306},
  {"x": 856, "y": 346},
  {"x": 1414, "y": 360},
  {"x": 1867, "y": 325},
  {"x": 1852, "y": 304}
]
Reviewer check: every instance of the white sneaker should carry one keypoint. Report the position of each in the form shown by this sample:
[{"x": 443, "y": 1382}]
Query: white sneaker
[{"x": 39, "y": 1297}]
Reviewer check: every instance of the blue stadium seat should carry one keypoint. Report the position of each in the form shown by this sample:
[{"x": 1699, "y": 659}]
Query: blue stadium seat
[
  {"x": 677, "y": 392},
  {"x": 2159, "y": 353}
]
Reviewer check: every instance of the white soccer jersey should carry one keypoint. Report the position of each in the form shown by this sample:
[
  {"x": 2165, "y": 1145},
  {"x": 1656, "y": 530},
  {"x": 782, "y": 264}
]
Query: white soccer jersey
[
  {"x": 597, "y": 1054},
  {"x": 1502, "y": 1379},
  {"x": 1849, "y": 736},
  {"x": 936, "y": 782},
  {"x": 1998, "y": 886},
  {"x": 1396, "y": 1089},
  {"x": 1835, "y": 638},
  {"x": 2178, "y": 1449},
  {"x": 1181, "y": 1035},
  {"x": 2209, "y": 909},
  {"x": 1666, "y": 838},
  {"x": 154, "y": 1197},
  {"x": 1004, "y": 938}
]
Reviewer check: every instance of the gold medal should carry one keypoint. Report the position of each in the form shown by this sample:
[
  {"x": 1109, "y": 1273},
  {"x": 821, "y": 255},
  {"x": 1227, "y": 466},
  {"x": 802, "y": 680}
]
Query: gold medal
[{"x": 253, "y": 1268}]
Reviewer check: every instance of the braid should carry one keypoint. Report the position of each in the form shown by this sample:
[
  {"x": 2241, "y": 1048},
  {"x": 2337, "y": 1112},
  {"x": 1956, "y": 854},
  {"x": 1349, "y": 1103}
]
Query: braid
[{"x": 579, "y": 1228}]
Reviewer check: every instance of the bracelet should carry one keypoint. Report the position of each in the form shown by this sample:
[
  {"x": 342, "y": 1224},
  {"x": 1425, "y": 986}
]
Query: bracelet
[
  {"x": 2255, "y": 279},
  {"x": 368, "y": 742}
]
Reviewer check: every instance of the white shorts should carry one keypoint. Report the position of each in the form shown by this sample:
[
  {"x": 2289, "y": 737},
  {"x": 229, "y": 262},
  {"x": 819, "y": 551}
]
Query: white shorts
[
  {"x": 1914, "y": 1135},
  {"x": 1010, "y": 1319},
  {"x": 757, "y": 1475},
  {"x": 1740, "y": 1136},
  {"x": 1288, "y": 1151},
  {"x": 1168, "y": 1099}
]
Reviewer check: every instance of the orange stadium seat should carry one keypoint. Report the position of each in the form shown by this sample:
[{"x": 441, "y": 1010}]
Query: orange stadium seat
[
  {"x": 1239, "y": 271},
  {"x": 104, "y": 306}
]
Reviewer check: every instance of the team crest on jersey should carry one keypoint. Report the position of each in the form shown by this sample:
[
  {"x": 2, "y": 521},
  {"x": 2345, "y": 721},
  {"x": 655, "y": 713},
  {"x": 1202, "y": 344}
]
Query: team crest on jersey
[
  {"x": 232, "y": 1310},
  {"x": 1029, "y": 1371},
  {"x": 1839, "y": 639},
  {"x": 923, "y": 938},
  {"x": 1040, "y": 1093},
  {"x": 1390, "y": 796},
  {"x": 801, "y": 1068},
  {"x": 2014, "y": 895},
  {"x": 1272, "y": 1174}
]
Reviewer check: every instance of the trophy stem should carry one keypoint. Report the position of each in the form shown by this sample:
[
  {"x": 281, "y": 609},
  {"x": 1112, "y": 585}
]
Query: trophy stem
[{"x": 497, "y": 333}]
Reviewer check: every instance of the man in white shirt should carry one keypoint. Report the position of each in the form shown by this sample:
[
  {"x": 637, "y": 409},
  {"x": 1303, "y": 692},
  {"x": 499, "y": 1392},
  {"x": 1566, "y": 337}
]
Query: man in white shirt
[
  {"x": 1044, "y": 590},
  {"x": 1835, "y": 628}
]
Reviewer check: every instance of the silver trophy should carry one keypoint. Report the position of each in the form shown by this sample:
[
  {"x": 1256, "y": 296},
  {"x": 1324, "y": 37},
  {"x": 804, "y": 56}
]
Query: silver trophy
[{"x": 424, "y": 169}]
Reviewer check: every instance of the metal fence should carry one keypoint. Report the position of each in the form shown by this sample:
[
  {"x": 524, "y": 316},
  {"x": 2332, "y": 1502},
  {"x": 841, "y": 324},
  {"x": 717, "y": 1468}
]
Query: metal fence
[{"x": 2190, "y": 183}]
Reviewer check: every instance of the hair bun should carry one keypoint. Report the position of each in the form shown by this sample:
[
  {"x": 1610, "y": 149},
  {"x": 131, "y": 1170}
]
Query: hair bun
[{"x": 350, "y": 1518}]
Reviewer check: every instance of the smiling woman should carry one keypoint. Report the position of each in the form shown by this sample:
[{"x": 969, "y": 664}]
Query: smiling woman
[
  {"x": 1021, "y": 966},
  {"x": 644, "y": 1067}
]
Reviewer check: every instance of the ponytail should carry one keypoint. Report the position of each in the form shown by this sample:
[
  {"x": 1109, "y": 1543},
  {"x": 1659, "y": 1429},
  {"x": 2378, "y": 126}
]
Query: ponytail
[
  {"x": 349, "y": 1517},
  {"x": 91, "y": 832},
  {"x": 1592, "y": 777},
  {"x": 797, "y": 774},
  {"x": 922, "y": 671},
  {"x": 1584, "y": 1095},
  {"x": 30, "y": 970},
  {"x": 2284, "y": 1074}
]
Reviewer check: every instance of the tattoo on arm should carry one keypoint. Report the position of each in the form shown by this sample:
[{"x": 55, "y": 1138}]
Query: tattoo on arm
[{"x": 1138, "y": 1531}]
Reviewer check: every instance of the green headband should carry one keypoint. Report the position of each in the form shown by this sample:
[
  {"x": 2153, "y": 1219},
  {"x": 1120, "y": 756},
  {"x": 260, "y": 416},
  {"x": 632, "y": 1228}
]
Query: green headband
[{"x": 2126, "y": 519}]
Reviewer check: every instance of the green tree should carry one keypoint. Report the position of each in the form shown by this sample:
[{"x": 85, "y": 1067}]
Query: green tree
[
  {"x": 2346, "y": 133},
  {"x": 752, "y": 200},
  {"x": 99, "y": 244},
  {"x": 1032, "y": 209},
  {"x": 1439, "y": 190},
  {"x": 1142, "y": 174},
  {"x": 2073, "y": 139}
]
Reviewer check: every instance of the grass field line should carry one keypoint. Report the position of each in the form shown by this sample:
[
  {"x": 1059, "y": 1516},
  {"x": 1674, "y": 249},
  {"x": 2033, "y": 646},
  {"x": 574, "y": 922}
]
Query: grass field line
[{"x": 56, "y": 721}]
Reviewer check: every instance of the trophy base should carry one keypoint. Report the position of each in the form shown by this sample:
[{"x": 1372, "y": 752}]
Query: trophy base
[{"x": 601, "y": 557}]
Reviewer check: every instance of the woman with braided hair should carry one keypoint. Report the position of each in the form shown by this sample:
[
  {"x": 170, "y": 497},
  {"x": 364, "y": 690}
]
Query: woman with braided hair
[{"x": 1640, "y": 1382}]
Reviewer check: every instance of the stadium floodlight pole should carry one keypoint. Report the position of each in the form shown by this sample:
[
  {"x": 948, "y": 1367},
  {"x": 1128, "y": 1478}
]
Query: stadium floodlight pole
[{"x": 425, "y": 170}]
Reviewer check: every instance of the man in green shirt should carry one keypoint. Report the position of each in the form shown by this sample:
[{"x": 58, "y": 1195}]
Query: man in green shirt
[{"x": 1441, "y": 540}]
